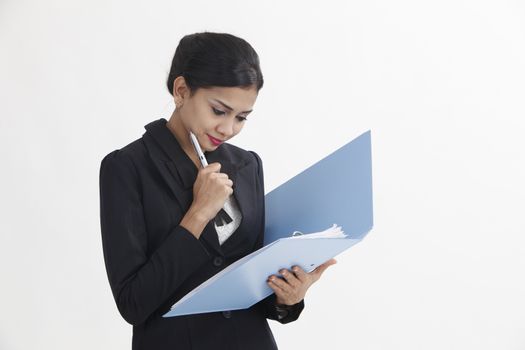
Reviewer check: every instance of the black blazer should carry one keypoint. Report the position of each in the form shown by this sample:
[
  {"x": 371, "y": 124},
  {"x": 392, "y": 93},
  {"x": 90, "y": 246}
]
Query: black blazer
[{"x": 151, "y": 261}]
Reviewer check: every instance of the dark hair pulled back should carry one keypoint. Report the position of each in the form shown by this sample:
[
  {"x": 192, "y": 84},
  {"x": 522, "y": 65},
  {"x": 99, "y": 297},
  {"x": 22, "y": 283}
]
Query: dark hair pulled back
[{"x": 210, "y": 59}]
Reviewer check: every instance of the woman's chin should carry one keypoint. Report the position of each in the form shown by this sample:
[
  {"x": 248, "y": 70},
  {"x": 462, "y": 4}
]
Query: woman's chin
[{"x": 210, "y": 148}]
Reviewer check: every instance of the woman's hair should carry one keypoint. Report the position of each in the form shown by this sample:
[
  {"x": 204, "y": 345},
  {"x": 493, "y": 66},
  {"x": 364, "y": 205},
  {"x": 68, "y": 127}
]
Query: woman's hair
[{"x": 215, "y": 59}]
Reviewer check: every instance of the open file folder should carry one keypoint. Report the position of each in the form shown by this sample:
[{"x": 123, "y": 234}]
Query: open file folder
[{"x": 337, "y": 189}]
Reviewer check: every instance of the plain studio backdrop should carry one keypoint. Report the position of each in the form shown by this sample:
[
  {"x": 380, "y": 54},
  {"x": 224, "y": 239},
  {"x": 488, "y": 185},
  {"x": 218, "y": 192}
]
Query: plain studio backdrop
[{"x": 441, "y": 84}]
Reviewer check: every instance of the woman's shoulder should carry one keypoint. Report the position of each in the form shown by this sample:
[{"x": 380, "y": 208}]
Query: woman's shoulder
[{"x": 127, "y": 156}]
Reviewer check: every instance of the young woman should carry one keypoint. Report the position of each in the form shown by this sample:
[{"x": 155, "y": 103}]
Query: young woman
[{"x": 168, "y": 224}]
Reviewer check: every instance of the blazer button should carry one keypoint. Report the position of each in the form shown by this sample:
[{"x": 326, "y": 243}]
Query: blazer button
[
  {"x": 227, "y": 314},
  {"x": 218, "y": 261}
]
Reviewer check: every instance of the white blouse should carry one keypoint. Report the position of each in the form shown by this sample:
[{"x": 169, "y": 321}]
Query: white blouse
[{"x": 232, "y": 208}]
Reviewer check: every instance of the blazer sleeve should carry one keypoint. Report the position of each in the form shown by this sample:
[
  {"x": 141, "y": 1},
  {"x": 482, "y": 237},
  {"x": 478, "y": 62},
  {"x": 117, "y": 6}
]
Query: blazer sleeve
[
  {"x": 268, "y": 304},
  {"x": 140, "y": 283}
]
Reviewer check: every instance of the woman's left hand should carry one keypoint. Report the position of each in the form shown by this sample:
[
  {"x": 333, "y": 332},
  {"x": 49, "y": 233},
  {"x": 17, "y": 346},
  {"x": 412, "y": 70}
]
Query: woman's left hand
[{"x": 292, "y": 288}]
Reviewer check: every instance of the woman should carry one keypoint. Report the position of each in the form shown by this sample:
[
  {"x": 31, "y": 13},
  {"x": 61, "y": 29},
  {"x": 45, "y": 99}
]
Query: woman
[{"x": 163, "y": 227}]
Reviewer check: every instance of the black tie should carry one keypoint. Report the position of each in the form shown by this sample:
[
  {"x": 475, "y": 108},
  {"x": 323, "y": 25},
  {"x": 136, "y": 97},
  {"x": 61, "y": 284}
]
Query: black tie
[{"x": 222, "y": 218}]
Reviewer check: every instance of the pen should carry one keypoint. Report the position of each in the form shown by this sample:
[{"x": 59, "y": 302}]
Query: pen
[
  {"x": 198, "y": 149},
  {"x": 222, "y": 216}
]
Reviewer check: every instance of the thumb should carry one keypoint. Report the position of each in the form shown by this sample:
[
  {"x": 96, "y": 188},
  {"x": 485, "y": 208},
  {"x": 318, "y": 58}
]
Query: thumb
[{"x": 318, "y": 271}]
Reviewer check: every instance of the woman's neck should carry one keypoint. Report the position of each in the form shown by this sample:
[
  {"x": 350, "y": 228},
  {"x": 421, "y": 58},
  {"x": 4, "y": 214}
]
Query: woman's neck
[{"x": 180, "y": 132}]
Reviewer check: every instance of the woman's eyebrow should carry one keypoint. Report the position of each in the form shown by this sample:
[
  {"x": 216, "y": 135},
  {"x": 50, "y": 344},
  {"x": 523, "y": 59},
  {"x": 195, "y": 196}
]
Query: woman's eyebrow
[{"x": 228, "y": 107}]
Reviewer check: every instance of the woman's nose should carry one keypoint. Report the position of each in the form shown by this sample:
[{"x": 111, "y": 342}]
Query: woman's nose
[{"x": 226, "y": 127}]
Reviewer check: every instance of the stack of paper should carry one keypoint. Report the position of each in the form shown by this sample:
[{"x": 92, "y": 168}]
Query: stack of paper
[{"x": 333, "y": 232}]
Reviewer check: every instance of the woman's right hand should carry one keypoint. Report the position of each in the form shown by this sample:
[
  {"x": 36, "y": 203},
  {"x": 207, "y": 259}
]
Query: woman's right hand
[{"x": 211, "y": 190}]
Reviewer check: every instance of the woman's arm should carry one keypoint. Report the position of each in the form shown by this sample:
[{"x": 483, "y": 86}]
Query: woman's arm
[
  {"x": 140, "y": 284},
  {"x": 273, "y": 311}
]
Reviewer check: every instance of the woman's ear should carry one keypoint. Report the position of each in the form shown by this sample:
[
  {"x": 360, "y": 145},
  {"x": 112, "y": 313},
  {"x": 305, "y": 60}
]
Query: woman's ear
[{"x": 180, "y": 91}]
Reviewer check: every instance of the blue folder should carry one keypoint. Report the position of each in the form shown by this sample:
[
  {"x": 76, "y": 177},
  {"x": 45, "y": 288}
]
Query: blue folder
[{"x": 335, "y": 190}]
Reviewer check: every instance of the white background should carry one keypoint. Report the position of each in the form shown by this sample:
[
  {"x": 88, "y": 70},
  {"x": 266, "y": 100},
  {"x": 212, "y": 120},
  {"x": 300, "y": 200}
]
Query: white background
[{"x": 441, "y": 84}]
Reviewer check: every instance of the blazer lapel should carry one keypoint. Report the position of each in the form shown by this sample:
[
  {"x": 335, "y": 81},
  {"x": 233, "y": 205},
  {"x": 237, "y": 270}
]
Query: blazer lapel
[{"x": 177, "y": 181}]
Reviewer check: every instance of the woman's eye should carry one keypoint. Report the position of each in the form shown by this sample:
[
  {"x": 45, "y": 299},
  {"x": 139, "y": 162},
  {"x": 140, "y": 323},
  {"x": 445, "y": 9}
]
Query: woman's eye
[{"x": 217, "y": 112}]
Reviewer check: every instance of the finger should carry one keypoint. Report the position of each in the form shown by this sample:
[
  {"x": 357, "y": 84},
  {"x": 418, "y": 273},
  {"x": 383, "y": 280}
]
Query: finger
[
  {"x": 327, "y": 263},
  {"x": 281, "y": 283},
  {"x": 213, "y": 167},
  {"x": 221, "y": 179},
  {"x": 290, "y": 277},
  {"x": 300, "y": 273},
  {"x": 319, "y": 270},
  {"x": 276, "y": 288},
  {"x": 227, "y": 182}
]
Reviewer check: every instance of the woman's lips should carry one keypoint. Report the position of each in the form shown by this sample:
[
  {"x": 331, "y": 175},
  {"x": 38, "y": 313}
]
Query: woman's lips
[{"x": 214, "y": 141}]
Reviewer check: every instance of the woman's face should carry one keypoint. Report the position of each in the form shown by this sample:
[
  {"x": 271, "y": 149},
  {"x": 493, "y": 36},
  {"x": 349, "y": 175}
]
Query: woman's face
[{"x": 216, "y": 114}]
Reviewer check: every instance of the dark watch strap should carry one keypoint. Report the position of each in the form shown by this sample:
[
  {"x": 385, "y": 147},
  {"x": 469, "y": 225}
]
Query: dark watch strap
[{"x": 282, "y": 310}]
